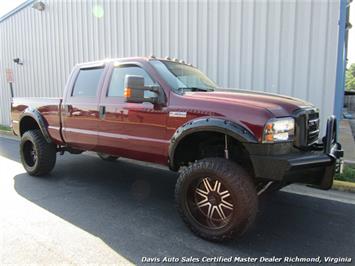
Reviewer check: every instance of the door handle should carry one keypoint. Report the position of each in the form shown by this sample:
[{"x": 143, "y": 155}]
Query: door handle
[{"x": 102, "y": 112}]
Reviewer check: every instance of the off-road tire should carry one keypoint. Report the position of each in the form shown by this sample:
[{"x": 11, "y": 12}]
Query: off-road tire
[
  {"x": 45, "y": 153},
  {"x": 107, "y": 157},
  {"x": 235, "y": 180}
]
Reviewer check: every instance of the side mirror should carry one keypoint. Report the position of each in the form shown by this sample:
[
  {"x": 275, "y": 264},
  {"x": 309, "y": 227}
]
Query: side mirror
[{"x": 134, "y": 90}]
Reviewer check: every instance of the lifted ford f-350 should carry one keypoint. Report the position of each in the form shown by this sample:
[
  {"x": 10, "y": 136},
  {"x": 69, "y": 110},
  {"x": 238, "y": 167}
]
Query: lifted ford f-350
[{"x": 229, "y": 146}]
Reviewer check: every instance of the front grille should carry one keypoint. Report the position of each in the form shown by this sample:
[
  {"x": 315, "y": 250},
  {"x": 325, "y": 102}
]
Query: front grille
[
  {"x": 307, "y": 127},
  {"x": 313, "y": 128}
]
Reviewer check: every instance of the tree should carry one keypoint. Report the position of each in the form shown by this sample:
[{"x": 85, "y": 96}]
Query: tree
[{"x": 350, "y": 78}]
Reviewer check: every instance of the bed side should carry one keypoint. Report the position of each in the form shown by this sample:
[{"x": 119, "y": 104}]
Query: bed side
[{"x": 26, "y": 111}]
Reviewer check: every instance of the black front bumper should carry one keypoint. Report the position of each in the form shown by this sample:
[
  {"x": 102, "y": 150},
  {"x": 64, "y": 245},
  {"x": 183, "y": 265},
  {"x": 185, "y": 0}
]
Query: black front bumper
[{"x": 316, "y": 166}]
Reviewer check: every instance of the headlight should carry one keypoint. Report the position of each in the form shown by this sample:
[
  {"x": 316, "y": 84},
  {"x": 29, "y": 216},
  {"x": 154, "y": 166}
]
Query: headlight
[{"x": 278, "y": 130}]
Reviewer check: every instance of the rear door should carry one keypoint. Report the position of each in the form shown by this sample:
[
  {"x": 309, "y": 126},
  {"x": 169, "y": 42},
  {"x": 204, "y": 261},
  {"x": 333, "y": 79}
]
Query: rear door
[
  {"x": 80, "y": 113},
  {"x": 133, "y": 130}
]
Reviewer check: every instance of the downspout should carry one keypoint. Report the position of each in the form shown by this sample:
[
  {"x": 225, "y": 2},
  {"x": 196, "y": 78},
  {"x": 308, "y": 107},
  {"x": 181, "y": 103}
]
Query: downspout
[{"x": 341, "y": 61}]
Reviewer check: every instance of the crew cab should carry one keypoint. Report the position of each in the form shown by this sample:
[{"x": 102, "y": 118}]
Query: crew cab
[{"x": 229, "y": 146}]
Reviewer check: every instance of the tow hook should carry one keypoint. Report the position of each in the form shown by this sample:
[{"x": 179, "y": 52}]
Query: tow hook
[{"x": 339, "y": 166}]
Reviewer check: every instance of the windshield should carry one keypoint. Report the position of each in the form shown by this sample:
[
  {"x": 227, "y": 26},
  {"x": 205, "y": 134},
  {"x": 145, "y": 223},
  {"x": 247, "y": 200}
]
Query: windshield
[{"x": 182, "y": 77}]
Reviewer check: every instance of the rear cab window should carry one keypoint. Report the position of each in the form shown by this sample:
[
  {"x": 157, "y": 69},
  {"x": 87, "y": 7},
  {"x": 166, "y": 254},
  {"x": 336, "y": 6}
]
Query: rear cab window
[{"x": 87, "y": 82}]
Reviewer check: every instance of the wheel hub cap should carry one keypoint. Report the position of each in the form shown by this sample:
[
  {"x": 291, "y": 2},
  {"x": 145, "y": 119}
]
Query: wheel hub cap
[
  {"x": 213, "y": 198},
  {"x": 33, "y": 155}
]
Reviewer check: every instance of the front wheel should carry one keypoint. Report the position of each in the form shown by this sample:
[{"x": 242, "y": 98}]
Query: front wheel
[
  {"x": 216, "y": 199},
  {"x": 37, "y": 155}
]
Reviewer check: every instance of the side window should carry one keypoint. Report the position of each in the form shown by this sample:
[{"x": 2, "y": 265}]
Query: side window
[
  {"x": 117, "y": 80},
  {"x": 87, "y": 82}
]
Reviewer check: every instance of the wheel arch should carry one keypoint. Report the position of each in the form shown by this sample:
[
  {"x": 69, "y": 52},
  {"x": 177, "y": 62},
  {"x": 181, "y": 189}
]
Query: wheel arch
[
  {"x": 221, "y": 126},
  {"x": 32, "y": 119}
]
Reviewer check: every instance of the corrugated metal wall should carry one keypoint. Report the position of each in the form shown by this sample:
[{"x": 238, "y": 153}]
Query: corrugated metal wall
[{"x": 287, "y": 47}]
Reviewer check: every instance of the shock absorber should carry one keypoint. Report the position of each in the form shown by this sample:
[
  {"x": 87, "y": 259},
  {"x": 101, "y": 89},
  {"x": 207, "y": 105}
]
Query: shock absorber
[{"x": 226, "y": 153}]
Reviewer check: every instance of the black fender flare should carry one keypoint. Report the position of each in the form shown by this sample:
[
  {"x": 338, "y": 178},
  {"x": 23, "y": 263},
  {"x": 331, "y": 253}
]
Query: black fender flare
[
  {"x": 220, "y": 125},
  {"x": 34, "y": 114}
]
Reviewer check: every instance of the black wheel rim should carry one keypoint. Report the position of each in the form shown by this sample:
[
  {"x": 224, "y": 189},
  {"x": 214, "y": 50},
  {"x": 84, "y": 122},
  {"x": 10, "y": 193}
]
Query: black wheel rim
[
  {"x": 210, "y": 203},
  {"x": 29, "y": 153}
]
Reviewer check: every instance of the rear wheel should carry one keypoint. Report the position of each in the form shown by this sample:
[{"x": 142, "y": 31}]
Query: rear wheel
[
  {"x": 107, "y": 157},
  {"x": 37, "y": 155},
  {"x": 216, "y": 198}
]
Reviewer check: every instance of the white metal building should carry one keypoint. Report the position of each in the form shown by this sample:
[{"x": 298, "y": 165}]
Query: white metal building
[{"x": 290, "y": 47}]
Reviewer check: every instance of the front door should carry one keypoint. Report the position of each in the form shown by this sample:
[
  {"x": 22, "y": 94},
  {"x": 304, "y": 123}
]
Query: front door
[{"x": 133, "y": 130}]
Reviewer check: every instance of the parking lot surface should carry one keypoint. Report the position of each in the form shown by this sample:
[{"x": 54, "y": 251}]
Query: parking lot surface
[{"x": 91, "y": 211}]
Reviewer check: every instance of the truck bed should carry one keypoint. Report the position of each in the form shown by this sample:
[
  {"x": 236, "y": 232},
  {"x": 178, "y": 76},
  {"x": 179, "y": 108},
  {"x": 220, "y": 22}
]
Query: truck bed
[{"x": 49, "y": 108}]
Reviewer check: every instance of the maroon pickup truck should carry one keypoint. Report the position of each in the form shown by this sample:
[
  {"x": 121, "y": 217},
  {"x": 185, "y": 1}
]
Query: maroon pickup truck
[{"x": 229, "y": 146}]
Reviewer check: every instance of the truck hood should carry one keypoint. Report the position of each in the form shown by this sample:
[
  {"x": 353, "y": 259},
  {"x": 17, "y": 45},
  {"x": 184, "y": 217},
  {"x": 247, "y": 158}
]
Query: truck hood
[{"x": 278, "y": 105}]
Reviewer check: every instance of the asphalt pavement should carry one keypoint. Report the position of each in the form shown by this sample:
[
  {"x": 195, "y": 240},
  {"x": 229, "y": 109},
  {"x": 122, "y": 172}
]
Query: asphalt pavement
[{"x": 91, "y": 211}]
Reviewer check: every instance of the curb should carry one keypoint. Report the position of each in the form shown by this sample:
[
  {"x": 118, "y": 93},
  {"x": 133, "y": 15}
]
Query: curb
[
  {"x": 7, "y": 134},
  {"x": 344, "y": 186},
  {"x": 348, "y": 162}
]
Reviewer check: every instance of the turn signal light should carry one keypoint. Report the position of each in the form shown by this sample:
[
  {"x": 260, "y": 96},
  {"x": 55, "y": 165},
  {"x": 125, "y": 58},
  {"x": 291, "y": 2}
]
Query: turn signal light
[
  {"x": 269, "y": 138},
  {"x": 278, "y": 130},
  {"x": 127, "y": 92}
]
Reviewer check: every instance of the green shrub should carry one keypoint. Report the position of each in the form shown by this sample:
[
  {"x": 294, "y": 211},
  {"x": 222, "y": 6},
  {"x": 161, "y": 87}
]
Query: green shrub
[
  {"x": 347, "y": 175},
  {"x": 350, "y": 78},
  {"x": 5, "y": 128}
]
